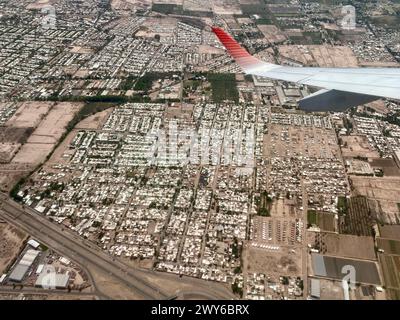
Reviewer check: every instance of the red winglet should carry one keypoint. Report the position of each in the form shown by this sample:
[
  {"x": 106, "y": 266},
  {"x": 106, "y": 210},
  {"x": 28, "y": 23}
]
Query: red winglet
[{"x": 242, "y": 57}]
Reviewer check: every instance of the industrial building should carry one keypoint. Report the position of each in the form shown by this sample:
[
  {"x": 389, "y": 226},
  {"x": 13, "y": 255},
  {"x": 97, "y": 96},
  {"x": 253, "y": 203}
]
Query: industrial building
[
  {"x": 49, "y": 279},
  {"x": 23, "y": 265}
]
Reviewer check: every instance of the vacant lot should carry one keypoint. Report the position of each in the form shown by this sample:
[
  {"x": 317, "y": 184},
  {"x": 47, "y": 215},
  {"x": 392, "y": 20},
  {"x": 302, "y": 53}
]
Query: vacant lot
[
  {"x": 30, "y": 136},
  {"x": 356, "y": 146},
  {"x": 390, "y": 232},
  {"x": 383, "y": 195},
  {"x": 272, "y": 33},
  {"x": 11, "y": 241},
  {"x": 333, "y": 56},
  {"x": 53, "y": 125},
  {"x": 33, "y": 153},
  {"x": 274, "y": 264},
  {"x": 7, "y": 151},
  {"x": 320, "y": 55},
  {"x": 29, "y": 114},
  {"x": 284, "y": 208},
  {"x": 226, "y": 7},
  {"x": 47, "y": 134},
  {"x": 390, "y": 169}
]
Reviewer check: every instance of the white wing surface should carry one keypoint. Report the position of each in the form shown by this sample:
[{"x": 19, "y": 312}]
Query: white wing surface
[{"x": 367, "y": 83}]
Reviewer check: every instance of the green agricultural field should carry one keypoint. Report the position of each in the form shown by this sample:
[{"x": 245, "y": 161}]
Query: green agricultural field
[
  {"x": 224, "y": 87},
  {"x": 167, "y": 8},
  {"x": 342, "y": 205},
  {"x": 312, "y": 218}
]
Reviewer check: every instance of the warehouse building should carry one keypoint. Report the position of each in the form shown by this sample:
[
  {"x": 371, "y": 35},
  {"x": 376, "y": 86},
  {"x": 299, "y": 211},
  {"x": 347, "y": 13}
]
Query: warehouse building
[
  {"x": 23, "y": 265},
  {"x": 49, "y": 279}
]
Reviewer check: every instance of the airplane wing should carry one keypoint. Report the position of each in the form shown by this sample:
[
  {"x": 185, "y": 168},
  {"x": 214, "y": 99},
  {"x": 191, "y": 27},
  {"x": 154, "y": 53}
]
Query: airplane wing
[{"x": 342, "y": 87}]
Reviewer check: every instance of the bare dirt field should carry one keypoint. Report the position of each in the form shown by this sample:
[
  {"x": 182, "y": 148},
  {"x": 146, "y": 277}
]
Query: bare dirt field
[
  {"x": 11, "y": 241},
  {"x": 47, "y": 134},
  {"x": 226, "y": 7},
  {"x": 53, "y": 125},
  {"x": 165, "y": 22},
  {"x": 379, "y": 106},
  {"x": 7, "y": 151},
  {"x": 29, "y": 114},
  {"x": 197, "y": 5},
  {"x": 34, "y": 130},
  {"x": 383, "y": 196},
  {"x": 283, "y": 208},
  {"x": 358, "y": 146},
  {"x": 176, "y": 2},
  {"x": 172, "y": 284},
  {"x": 8, "y": 179},
  {"x": 39, "y": 4},
  {"x": 333, "y": 56},
  {"x": 210, "y": 50},
  {"x": 390, "y": 232},
  {"x": 81, "y": 50},
  {"x": 320, "y": 55},
  {"x": 274, "y": 264},
  {"x": 272, "y": 33},
  {"x": 331, "y": 290},
  {"x": 125, "y": 4},
  {"x": 33, "y": 153},
  {"x": 388, "y": 165}
]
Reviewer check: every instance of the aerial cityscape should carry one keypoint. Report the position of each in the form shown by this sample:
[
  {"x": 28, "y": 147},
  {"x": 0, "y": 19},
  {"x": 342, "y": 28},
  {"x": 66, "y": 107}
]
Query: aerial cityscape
[{"x": 142, "y": 157}]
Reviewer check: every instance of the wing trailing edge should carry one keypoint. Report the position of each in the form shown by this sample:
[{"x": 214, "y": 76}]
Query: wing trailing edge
[{"x": 334, "y": 100}]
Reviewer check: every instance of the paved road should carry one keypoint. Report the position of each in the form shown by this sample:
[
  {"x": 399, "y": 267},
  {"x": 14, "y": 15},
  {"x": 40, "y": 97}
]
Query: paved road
[
  {"x": 98, "y": 263},
  {"x": 79, "y": 250},
  {"x": 40, "y": 291}
]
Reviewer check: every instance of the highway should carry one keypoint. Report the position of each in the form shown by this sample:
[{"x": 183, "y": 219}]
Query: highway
[{"x": 77, "y": 249}]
